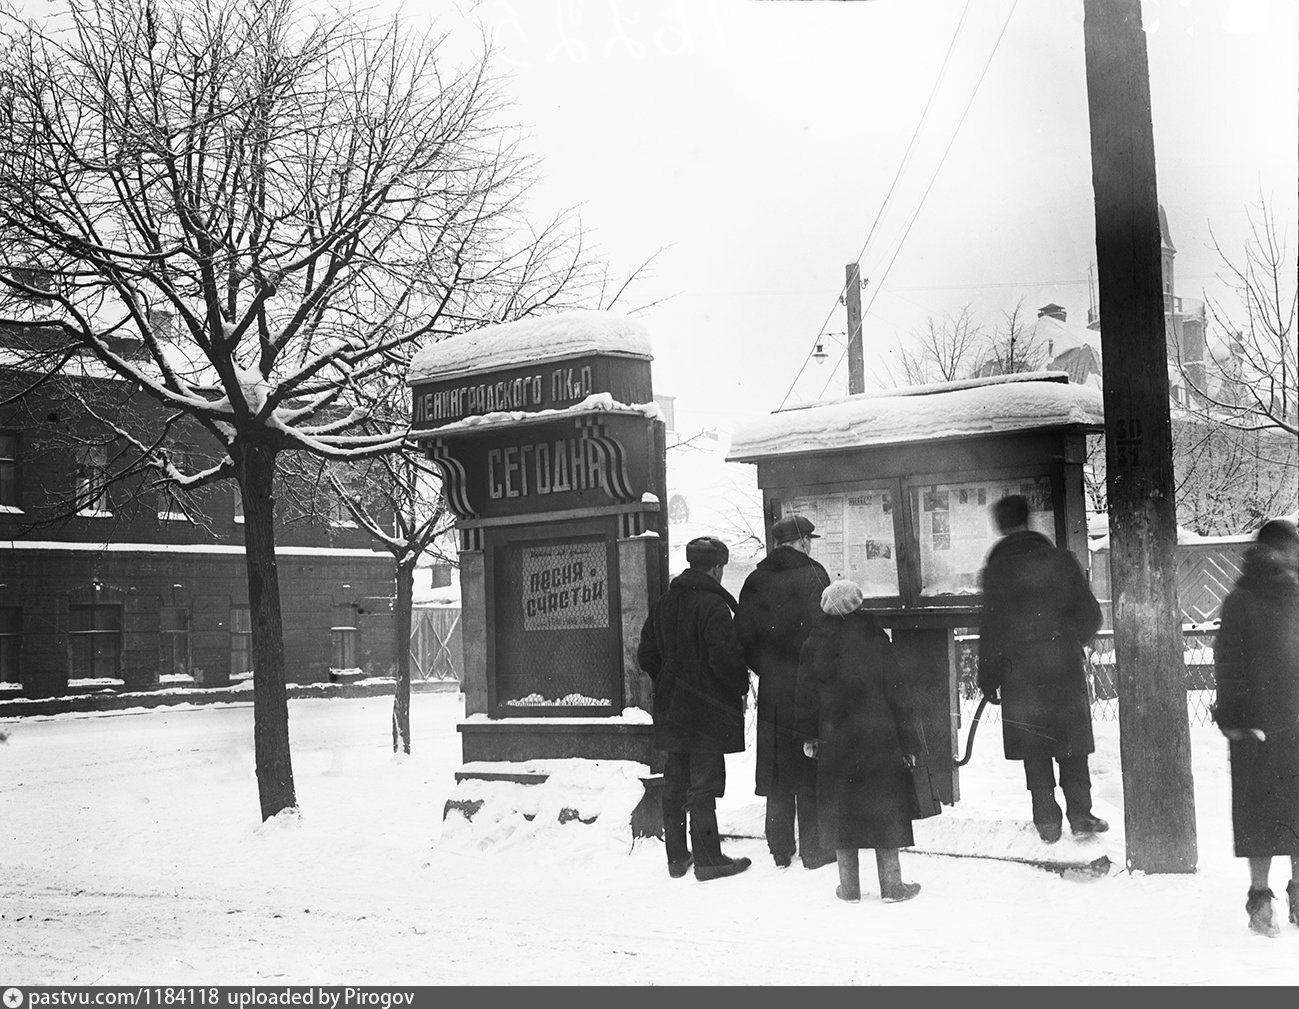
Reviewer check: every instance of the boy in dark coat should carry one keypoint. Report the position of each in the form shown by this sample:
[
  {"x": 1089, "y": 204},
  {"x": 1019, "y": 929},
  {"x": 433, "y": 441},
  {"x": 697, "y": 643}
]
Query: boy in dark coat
[
  {"x": 779, "y": 603},
  {"x": 1256, "y": 655},
  {"x": 689, "y": 649},
  {"x": 1038, "y": 612},
  {"x": 856, "y": 718}
]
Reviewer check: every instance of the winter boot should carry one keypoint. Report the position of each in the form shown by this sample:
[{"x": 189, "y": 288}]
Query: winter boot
[
  {"x": 1259, "y": 906},
  {"x": 710, "y": 863},
  {"x": 809, "y": 833},
  {"x": 779, "y": 828},
  {"x": 1292, "y": 891},
  {"x": 679, "y": 867},
  {"x": 892, "y": 889},
  {"x": 849, "y": 887},
  {"x": 1047, "y": 817},
  {"x": 1076, "y": 783},
  {"x": 674, "y": 839},
  {"x": 1086, "y": 823}
]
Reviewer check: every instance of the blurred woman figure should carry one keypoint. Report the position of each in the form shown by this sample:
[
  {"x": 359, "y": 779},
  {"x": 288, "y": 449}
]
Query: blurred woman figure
[
  {"x": 855, "y": 717},
  {"x": 1256, "y": 655}
]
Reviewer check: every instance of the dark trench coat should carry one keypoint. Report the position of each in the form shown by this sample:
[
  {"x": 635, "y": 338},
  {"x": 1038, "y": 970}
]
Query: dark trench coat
[
  {"x": 1256, "y": 655},
  {"x": 778, "y": 603},
  {"x": 852, "y": 698},
  {"x": 1038, "y": 612},
  {"x": 689, "y": 649}
]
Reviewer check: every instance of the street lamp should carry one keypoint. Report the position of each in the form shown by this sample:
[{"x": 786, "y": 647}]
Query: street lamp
[{"x": 819, "y": 353}]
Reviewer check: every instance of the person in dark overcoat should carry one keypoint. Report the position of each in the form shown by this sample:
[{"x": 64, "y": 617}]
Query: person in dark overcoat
[
  {"x": 1256, "y": 659},
  {"x": 689, "y": 649},
  {"x": 855, "y": 717},
  {"x": 779, "y": 602},
  {"x": 1038, "y": 612}
]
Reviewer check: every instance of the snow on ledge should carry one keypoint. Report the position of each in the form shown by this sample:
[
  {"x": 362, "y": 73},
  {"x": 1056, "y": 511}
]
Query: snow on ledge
[
  {"x": 530, "y": 341},
  {"x": 629, "y": 716},
  {"x": 1003, "y": 403},
  {"x": 597, "y": 402},
  {"x": 566, "y": 767}
]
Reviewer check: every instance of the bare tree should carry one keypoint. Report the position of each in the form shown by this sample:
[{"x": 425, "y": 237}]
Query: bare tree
[
  {"x": 1094, "y": 485},
  {"x": 1012, "y": 347},
  {"x": 1221, "y": 487},
  {"x": 1242, "y": 410},
  {"x": 945, "y": 350},
  {"x": 252, "y": 214},
  {"x": 405, "y": 489},
  {"x": 1250, "y": 381}
]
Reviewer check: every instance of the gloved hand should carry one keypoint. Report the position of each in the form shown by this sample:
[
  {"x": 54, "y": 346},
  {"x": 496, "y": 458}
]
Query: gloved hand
[
  {"x": 992, "y": 696},
  {"x": 1239, "y": 734},
  {"x": 810, "y": 747}
]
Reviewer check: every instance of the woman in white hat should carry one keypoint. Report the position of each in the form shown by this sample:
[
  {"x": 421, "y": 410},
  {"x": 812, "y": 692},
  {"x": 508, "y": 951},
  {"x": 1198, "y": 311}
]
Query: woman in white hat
[{"x": 856, "y": 718}]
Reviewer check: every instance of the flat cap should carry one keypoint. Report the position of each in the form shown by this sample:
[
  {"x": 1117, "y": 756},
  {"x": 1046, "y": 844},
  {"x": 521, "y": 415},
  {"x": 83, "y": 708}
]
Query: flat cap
[{"x": 791, "y": 528}]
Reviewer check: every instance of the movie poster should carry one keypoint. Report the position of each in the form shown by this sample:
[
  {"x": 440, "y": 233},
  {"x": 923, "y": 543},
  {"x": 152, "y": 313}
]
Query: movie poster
[{"x": 565, "y": 587}]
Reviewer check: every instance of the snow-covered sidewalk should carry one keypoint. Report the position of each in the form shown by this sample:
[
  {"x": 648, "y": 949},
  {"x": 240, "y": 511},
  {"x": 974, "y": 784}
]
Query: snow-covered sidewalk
[{"x": 133, "y": 854}]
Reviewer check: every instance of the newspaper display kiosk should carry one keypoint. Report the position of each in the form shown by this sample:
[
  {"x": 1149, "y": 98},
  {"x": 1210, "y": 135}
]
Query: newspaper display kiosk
[
  {"x": 899, "y": 486},
  {"x": 552, "y": 456}
]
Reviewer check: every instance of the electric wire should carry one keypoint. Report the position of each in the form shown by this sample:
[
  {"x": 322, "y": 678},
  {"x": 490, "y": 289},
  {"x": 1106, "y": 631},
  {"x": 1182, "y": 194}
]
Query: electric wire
[
  {"x": 932, "y": 178},
  {"x": 924, "y": 113}
]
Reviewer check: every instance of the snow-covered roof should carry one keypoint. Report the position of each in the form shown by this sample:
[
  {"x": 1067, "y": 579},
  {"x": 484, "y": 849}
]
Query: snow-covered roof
[
  {"x": 530, "y": 341},
  {"x": 997, "y": 405},
  {"x": 1056, "y": 336}
]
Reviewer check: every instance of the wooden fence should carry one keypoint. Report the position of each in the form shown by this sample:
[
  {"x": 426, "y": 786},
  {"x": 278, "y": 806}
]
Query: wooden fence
[
  {"x": 435, "y": 650},
  {"x": 1206, "y": 571}
]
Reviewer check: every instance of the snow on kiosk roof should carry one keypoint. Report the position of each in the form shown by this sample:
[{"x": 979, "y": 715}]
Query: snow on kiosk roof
[
  {"x": 983, "y": 406},
  {"x": 531, "y": 341}
]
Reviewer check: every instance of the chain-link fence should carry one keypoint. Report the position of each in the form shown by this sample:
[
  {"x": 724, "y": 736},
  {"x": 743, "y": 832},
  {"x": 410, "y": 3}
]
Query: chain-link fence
[{"x": 1102, "y": 676}]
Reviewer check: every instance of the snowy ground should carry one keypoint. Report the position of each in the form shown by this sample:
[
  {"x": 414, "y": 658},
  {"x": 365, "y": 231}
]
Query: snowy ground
[{"x": 133, "y": 854}]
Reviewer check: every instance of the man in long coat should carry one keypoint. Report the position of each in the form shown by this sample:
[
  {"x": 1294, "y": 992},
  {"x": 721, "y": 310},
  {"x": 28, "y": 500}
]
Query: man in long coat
[
  {"x": 689, "y": 649},
  {"x": 1038, "y": 612},
  {"x": 780, "y": 602}
]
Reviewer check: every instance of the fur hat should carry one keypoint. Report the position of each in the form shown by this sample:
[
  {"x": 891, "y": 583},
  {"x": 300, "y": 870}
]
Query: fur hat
[
  {"x": 1278, "y": 534},
  {"x": 707, "y": 550},
  {"x": 841, "y": 598},
  {"x": 792, "y": 528}
]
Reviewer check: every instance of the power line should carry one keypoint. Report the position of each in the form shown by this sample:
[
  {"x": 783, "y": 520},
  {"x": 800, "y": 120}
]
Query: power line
[
  {"x": 932, "y": 178},
  {"x": 768, "y": 292},
  {"x": 951, "y": 46}
]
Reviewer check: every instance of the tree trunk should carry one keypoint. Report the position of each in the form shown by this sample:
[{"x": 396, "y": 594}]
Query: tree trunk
[
  {"x": 256, "y": 467},
  {"x": 402, "y": 621}
]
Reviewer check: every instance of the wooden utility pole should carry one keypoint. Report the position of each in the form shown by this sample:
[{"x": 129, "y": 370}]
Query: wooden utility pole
[
  {"x": 852, "y": 296},
  {"x": 1154, "y": 735}
]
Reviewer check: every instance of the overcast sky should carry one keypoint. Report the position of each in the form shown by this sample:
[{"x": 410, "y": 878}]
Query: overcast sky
[
  {"x": 756, "y": 143},
  {"x": 762, "y": 145}
]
